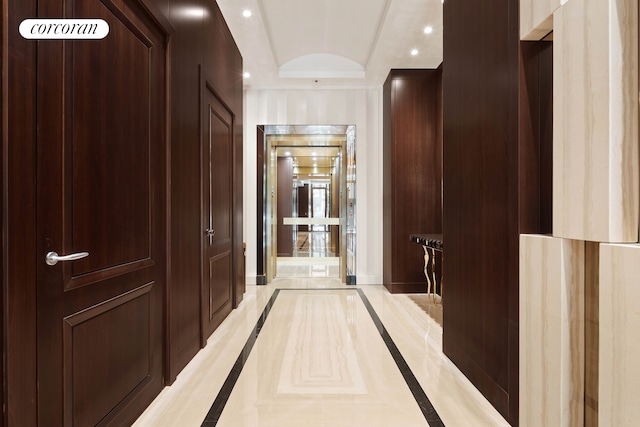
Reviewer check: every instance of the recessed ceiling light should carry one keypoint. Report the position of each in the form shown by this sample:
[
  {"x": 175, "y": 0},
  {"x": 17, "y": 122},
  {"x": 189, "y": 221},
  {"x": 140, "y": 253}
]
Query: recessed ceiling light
[
  {"x": 414, "y": 52},
  {"x": 246, "y": 13},
  {"x": 191, "y": 12},
  {"x": 428, "y": 29},
  {"x": 246, "y": 75},
  {"x": 287, "y": 153}
]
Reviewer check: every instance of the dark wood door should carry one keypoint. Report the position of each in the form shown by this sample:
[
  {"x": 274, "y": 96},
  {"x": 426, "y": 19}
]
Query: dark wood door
[
  {"x": 303, "y": 205},
  {"x": 217, "y": 176},
  {"x": 101, "y": 190},
  {"x": 285, "y": 206}
]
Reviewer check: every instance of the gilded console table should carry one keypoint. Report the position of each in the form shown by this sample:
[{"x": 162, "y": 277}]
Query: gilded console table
[{"x": 430, "y": 244}]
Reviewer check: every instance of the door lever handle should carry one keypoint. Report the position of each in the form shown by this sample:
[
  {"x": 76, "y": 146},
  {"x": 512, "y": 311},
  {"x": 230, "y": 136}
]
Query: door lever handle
[{"x": 52, "y": 258}]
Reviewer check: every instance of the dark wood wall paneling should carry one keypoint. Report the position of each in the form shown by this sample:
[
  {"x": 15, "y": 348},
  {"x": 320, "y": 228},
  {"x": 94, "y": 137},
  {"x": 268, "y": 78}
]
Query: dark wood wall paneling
[
  {"x": 412, "y": 173},
  {"x": 260, "y": 204},
  {"x": 497, "y": 174},
  {"x": 536, "y": 135},
  {"x": 203, "y": 53},
  {"x": 3, "y": 216},
  {"x": 188, "y": 69},
  {"x": 480, "y": 155},
  {"x": 439, "y": 146},
  {"x": 186, "y": 49},
  {"x": 4, "y": 84},
  {"x": 285, "y": 205},
  {"x": 20, "y": 241},
  {"x": 545, "y": 76}
]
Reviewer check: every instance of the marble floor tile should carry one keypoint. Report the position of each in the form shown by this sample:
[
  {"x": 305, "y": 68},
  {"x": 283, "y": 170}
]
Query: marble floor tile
[{"x": 320, "y": 359}]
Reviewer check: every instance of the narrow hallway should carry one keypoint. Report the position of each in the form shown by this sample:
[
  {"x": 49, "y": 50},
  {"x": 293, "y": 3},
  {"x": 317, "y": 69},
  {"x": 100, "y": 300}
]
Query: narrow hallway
[{"x": 314, "y": 352}]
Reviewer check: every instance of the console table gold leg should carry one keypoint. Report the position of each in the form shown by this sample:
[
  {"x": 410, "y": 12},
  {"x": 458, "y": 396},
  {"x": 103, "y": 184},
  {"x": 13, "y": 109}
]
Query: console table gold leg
[
  {"x": 442, "y": 278},
  {"x": 433, "y": 271},
  {"x": 427, "y": 262}
]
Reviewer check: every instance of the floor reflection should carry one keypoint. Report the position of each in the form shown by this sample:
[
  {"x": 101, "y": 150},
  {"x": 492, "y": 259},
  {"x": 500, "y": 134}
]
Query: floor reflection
[
  {"x": 314, "y": 244},
  {"x": 308, "y": 267}
]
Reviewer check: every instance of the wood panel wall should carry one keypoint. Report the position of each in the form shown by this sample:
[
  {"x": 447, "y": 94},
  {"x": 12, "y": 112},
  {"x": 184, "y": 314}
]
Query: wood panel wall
[
  {"x": 412, "y": 173},
  {"x": 186, "y": 51},
  {"x": 4, "y": 83},
  {"x": 285, "y": 206},
  {"x": 189, "y": 45},
  {"x": 203, "y": 52},
  {"x": 223, "y": 70},
  {"x": 260, "y": 204},
  {"x": 19, "y": 279},
  {"x": 492, "y": 182},
  {"x": 536, "y": 135}
]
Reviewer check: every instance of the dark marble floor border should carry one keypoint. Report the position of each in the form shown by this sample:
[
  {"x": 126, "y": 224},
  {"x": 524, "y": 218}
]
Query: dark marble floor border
[
  {"x": 422, "y": 400},
  {"x": 213, "y": 416},
  {"x": 430, "y": 414}
]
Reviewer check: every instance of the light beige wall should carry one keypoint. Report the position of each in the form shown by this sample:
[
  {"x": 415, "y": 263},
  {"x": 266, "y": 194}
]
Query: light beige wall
[
  {"x": 596, "y": 187},
  {"x": 551, "y": 331},
  {"x": 595, "y": 169},
  {"x": 619, "y": 370},
  {"x": 536, "y": 18}
]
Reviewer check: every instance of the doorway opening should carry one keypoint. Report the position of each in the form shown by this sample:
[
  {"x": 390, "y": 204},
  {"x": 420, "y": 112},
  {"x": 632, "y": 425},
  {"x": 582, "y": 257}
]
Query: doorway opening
[{"x": 306, "y": 209}]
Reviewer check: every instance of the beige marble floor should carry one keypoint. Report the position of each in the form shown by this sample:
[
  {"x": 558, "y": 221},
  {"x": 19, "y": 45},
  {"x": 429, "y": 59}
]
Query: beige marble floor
[{"x": 320, "y": 361}]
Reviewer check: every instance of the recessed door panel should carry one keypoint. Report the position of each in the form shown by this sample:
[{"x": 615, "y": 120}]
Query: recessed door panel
[
  {"x": 93, "y": 371},
  {"x": 219, "y": 280}
]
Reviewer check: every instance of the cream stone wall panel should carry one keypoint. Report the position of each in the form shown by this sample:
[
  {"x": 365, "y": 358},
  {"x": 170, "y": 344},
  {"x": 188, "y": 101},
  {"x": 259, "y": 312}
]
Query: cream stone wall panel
[
  {"x": 595, "y": 169},
  {"x": 619, "y": 371},
  {"x": 551, "y": 331},
  {"x": 536, "y": 18}
]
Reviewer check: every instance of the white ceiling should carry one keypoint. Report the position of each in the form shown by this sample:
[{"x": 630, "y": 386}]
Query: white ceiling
[{"x": 303, "y": 43}]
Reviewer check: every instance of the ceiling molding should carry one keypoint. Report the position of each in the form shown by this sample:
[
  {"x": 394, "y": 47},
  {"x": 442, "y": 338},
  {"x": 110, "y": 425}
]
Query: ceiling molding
[
  {"x": 322, "y": 65},
  {"x": 376, "y": 34}
]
